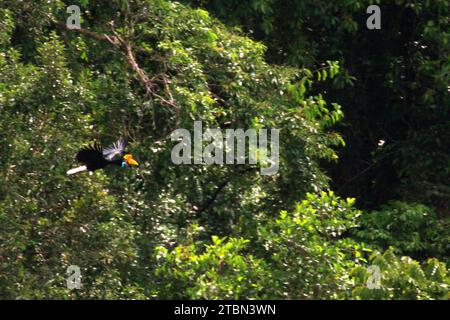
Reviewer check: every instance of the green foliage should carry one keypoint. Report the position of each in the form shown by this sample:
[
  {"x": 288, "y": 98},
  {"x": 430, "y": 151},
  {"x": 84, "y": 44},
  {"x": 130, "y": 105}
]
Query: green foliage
[
  {"x": 60, "y": 89},
  {"x": 412, "y": 229},
  {"x": 300, "y": 255},
  {"x": 309, "y": 259},
  {"x": 143, "y": 68},
  {"x": 403, "y": 278},
  {"x": 220, "y": 270},
  {"x": 48, "y": 222},
  {"x": 393, "y": 86}
]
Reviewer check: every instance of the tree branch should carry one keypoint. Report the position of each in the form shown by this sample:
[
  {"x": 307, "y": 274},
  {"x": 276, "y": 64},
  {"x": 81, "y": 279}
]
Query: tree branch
[
  {"x": 127, "y": 49},
  {"x": 210, "y": 201},
  {"x": 213, "y": 197},
  {"x": 101, "y": 37}
]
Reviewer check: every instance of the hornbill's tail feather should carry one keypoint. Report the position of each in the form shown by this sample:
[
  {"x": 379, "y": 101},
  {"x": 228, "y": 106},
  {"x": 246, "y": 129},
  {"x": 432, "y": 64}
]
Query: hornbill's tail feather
[{"x": 76, "y": 170}]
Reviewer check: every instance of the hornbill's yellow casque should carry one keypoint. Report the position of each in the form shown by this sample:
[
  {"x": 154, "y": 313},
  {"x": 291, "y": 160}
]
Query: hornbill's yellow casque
[{"x": 95, "y": 157}]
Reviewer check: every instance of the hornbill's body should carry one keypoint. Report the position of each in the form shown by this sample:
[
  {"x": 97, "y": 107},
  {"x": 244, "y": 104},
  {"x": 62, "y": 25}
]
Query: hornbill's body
[{"x": 95, "y": 157}]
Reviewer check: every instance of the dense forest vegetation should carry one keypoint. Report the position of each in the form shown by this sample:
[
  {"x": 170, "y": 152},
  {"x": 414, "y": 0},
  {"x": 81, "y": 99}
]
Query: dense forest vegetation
[{"x": 359, "y": 207}]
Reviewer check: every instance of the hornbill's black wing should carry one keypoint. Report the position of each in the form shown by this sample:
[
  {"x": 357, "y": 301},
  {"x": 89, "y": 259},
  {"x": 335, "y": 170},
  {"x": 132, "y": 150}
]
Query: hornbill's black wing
[{"x": 92, "y": 157}]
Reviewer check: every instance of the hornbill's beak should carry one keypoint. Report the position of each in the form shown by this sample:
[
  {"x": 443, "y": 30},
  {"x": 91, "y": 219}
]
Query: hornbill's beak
[
  {"x": 130, "y": 161},
  {"x": 133, "y": 162}
]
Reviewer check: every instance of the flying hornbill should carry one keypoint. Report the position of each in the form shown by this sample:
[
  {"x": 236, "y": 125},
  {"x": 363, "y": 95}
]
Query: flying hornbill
[{"x": 96, "y": 157}]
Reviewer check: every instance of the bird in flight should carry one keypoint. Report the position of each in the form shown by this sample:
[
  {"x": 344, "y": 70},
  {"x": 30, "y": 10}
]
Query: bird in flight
[{"x": 96, "y": 157}]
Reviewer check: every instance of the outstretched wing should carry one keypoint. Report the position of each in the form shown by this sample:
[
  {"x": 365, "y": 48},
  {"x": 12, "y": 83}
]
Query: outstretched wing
[
  {"x": 113, "y": 152},
  {"x": 92, "y": 157}
]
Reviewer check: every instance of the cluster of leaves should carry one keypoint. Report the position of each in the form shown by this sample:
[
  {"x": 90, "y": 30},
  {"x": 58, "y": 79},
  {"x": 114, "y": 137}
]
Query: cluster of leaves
[
  {"x": 220, "y": 270},
  {"x": 308, "y": 256},
  {"x": 403, "y": 278},
  {"x": 299, "y": 255},
  {"x": 412, "y": 229}
]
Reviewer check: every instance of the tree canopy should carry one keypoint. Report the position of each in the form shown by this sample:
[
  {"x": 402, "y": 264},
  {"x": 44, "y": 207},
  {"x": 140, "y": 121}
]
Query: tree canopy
[{"x": 141, "y": 69}]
